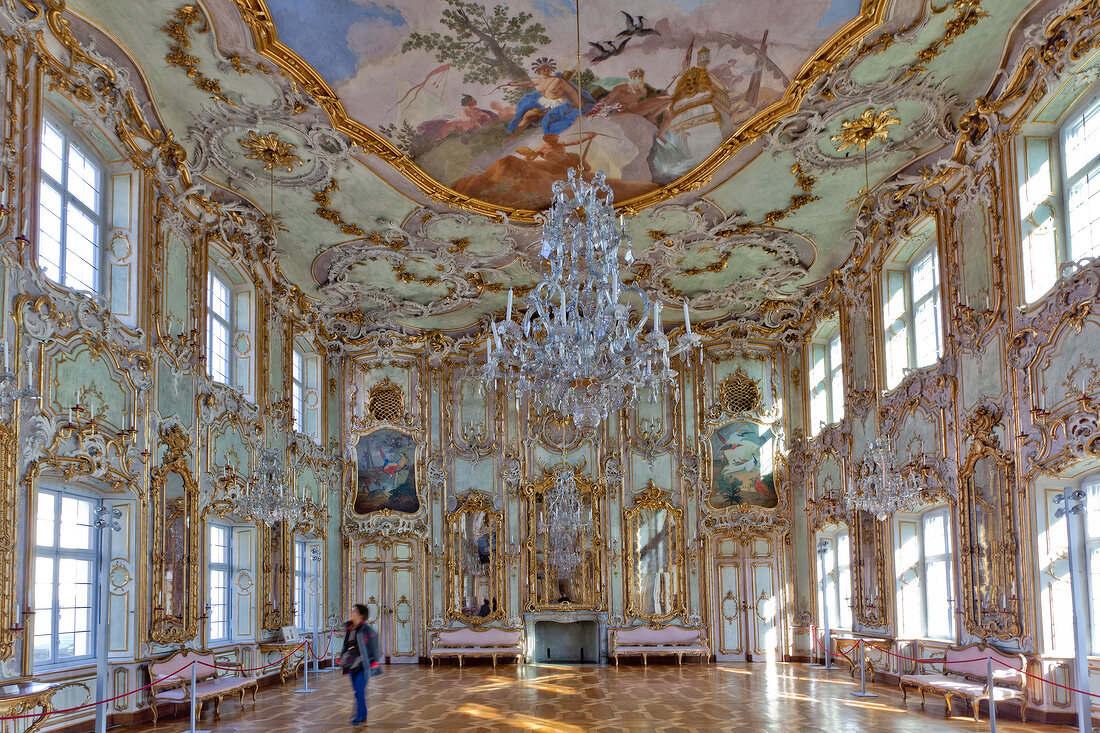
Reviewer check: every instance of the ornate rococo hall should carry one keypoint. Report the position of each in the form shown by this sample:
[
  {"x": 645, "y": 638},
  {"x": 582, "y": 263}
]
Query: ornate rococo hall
[{"x": 306, "y": 305}]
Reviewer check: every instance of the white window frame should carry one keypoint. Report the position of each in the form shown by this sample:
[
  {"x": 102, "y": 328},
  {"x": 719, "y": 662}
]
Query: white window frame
[
  {"x": 227, "y": 569},
  {"x": 223, "y": 373},
  {"x": 901, "y": 306},
  {"x": 914, "y": 572},
  {"x": 305, "y": 390},
  {"x": 1090, "y": 170},
  {"x": 59, "y": 271},
  {"x": 56, "y": 553},
  {"x": 838, "y": 569},
  {"x": 1052, "y": 559},
  {"x": 298, "y": 388},
  {"x": 826, "y": 383}
]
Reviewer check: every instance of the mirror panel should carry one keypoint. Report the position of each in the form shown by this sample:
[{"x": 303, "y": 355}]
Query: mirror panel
[
  {"x": 987, "y": 528},
  {"x": 176, "y": 543},
  {"x": 655, "y": 557},
  {"x": 549, "y": 585},
  {"x": 475, "y": 562}
]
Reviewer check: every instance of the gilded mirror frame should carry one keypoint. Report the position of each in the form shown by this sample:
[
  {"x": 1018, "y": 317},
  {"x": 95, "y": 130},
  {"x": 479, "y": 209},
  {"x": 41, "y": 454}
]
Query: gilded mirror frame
[
  {"x": 586, "y": 488},
  {"x": 473, "y": 502},
  {"x": 653, "y": 497},
  {"x": 990, "y": 622},
  {"x": 166, "y": 629}
]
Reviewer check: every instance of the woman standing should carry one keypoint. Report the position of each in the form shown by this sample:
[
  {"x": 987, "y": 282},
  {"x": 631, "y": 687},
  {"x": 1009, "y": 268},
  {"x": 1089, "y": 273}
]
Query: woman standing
[{"x": 360, "y": 657}]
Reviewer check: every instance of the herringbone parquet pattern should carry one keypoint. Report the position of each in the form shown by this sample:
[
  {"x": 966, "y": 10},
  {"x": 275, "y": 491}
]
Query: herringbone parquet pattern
[{"x": 708, "y": 697}]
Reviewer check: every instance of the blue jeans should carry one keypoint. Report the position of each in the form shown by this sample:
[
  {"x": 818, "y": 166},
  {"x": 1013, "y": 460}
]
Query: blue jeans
[{"x": 359, "y": 684}]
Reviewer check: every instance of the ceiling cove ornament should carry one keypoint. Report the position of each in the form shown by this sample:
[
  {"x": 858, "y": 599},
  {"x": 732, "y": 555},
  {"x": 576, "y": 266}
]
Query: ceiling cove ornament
[
  {"x": 219, "y": 133},
  {"x": 744, "y": 107},
  {"x": 837, "y": 97}
]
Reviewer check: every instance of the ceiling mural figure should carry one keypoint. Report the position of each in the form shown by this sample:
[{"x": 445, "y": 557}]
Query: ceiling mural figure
[{"x": 487, "y": 99}]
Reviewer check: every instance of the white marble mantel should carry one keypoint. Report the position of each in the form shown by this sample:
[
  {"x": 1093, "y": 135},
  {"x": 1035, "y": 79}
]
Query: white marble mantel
[{"x": 565, "y": 616}]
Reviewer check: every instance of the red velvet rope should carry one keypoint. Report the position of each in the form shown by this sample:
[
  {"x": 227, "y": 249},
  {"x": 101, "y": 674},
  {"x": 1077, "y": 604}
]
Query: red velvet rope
[
  {"x": 961, "y": 661},
  {"x": 146, "y": 687}
]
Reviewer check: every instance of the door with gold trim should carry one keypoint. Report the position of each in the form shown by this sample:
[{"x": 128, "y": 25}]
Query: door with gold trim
[
  {"x": 386, "y": 583},
  {"x": 745, "y": 623}
]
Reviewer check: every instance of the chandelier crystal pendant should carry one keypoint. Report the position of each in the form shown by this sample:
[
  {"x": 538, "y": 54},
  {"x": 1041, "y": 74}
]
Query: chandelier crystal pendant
[
  {"x": 880, "y": 487},
  {"x": 265, "y": 497},
  {"x": 580, "y": 348}
]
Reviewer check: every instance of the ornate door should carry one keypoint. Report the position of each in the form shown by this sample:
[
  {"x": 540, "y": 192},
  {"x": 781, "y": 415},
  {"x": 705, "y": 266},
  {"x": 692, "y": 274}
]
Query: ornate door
[
  {"x": 744, "y": 625},
  {"x": 385, "y": 582}
]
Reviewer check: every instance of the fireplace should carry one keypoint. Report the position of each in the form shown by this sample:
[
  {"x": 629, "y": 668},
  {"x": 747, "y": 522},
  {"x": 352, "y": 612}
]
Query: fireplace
[{"x": 566, "y": 637}]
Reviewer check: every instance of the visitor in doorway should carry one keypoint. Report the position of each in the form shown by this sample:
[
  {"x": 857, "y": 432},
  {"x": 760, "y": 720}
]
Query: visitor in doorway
[
  {"x": 360, "y": 658},
  {"x": 484, "y": 610}
]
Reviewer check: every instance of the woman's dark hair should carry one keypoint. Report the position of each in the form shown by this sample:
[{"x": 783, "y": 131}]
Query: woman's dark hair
[{"x": 362, "y": 610}]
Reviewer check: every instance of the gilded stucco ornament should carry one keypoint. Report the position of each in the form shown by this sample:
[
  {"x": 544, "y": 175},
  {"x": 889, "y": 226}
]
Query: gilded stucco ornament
[{"x": 216, "y": 139}]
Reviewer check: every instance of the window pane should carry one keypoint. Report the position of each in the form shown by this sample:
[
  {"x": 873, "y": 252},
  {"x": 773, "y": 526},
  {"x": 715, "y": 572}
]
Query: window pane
[
  {"x": 49, "y": 231},
  {"x": 44, "y": 531},
  {"x": 53, "y": 147},
  {"x": 76, "y": 524},
  {"x": 83, "y": 180},
  {"x": 1084, "y": 215},
  {"x": 1080, "y": 140},
  {"x": 81, "y": 249},
  {"x": 939, "y": 610},
  {"x": 935, "y": 534}
]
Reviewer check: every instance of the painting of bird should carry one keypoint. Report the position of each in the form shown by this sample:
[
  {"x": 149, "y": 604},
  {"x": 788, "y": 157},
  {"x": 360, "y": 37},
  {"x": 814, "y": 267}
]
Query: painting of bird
[
  {"x": 391, "y": 465},
  {"x": 636, "y": 26},
  {"x": 607, "y": 49}
]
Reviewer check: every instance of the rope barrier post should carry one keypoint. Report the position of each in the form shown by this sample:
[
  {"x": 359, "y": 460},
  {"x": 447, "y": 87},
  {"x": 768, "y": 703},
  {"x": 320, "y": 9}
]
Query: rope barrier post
[
  {"x": 863, "y": 674},
  {"x": 1073, "y": 509},
  {"x": 191, "y": 729},
  {"x": 822, "y": 551},
  {"x": 305, "y": 663},
  {"x": 992, "y": 699}
]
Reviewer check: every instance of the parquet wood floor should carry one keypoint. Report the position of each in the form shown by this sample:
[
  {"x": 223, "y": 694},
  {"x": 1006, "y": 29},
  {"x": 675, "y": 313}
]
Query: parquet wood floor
[{"x": 710, "y": 697}]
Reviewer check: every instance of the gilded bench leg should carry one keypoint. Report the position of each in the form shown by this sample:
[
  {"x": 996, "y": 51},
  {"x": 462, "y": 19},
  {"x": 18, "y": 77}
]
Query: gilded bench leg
[
  {"x": 947, "y": 699},
  {"x": 679, "y": 657},
  {"x": 974, "y": 703},
  {"x": 153, "y": 707},
  {"x": 616, "y": 660},
  {"x": 459, "y": 660},
  {"x": 494, "y": 660},
  {"x": 1023, "y": 710},
  {"x": 904, "y": 692},
  {"x": 645, "y": 660},
  {"x": 921, "y": 689}
]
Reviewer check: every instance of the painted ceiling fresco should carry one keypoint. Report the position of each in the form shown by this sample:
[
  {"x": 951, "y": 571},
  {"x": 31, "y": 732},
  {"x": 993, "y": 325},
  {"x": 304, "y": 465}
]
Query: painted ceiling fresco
[
  {"x": 757, "y": 221},
  {"x": 485, "y": 98}
]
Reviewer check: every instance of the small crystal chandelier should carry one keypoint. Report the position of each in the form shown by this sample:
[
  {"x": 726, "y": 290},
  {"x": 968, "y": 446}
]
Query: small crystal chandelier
[
  {"x": 265, "y": 498},
  {"x": 565, "y": 521},
  {"x": 580, "y": 349},
  {"x": 880, "y": 487}
]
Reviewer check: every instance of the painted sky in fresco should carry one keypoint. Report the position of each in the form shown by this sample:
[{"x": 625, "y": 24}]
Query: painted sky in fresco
[{"x": 464, "y": 117}]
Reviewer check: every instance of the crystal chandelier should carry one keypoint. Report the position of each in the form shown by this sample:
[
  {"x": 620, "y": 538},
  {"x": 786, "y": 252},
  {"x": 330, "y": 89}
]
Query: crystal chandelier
[
  {"x": 580, "y": 348},
  {"x": 265, "y": 497},
  {"x": 565, "y": 522},
  {"x": 880, "y": 487}
]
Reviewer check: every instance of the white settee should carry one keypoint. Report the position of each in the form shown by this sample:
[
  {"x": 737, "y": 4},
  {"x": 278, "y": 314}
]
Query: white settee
[
  {"x": 467, "y": 642},
  {"x": 670, "y": 639},
  {"x": 965, "y": 676}
]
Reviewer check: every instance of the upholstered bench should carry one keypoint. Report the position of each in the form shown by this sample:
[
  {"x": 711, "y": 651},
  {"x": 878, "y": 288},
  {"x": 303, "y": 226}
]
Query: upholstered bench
[
  {"x": 171, "y": 678},
  {"x": 968, "y": 680},
  {"x": 491, "y": 642},
  {"x": 670, "y": 639}
]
